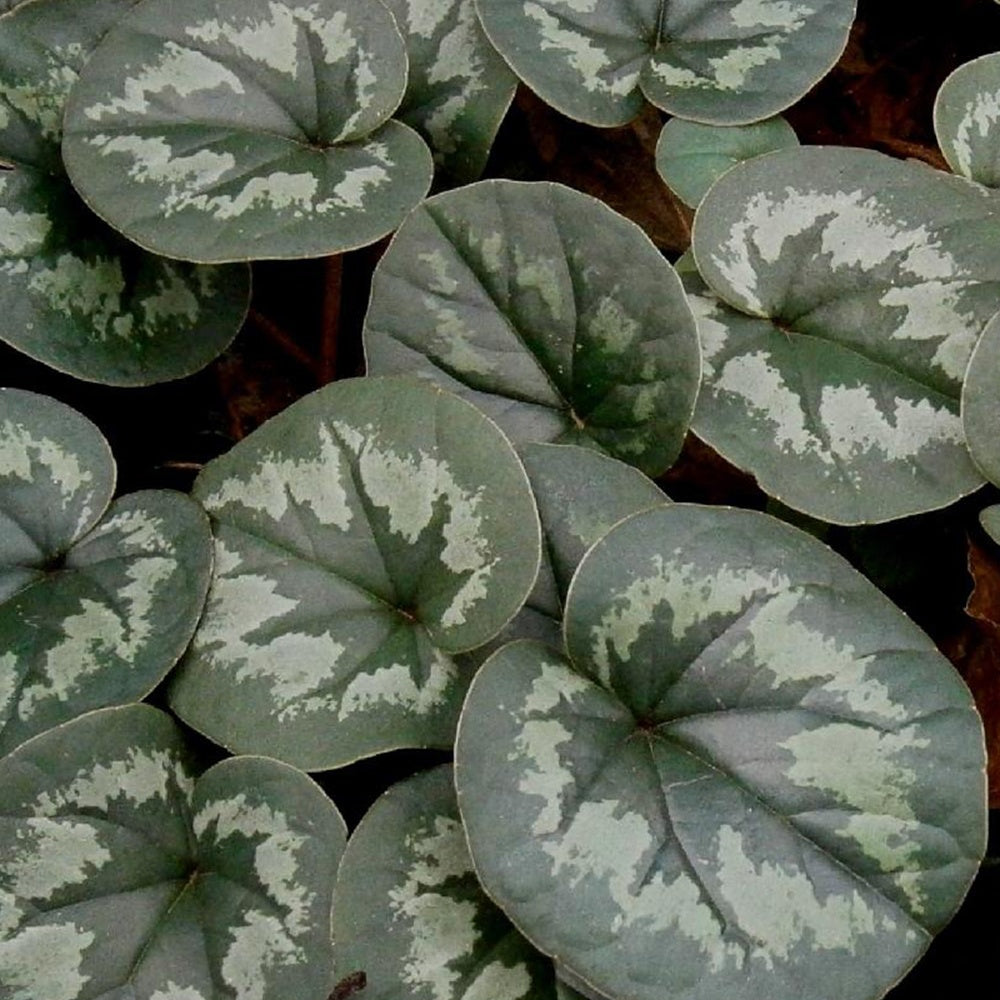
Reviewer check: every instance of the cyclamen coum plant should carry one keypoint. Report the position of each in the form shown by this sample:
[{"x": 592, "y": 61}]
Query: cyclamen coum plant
[{"x": 607, "y": 710}]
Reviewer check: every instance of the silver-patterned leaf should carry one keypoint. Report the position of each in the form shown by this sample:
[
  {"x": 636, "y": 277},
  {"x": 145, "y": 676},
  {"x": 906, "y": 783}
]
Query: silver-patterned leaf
[
  {"x": 409, "y": 911},
  {"x": 981, "y": 402},
  {"x": 362, "y": 537},
  {"x": 725, "y": 62},
  {"x": 121, "y": 875},
  {"x": 552, "y": 313},
  {"x": 690, "y": 157},
  {"x": 74, "y": 295},
  {"x": 847, "y": 291},
  {"x": 967, "y": 120},
  {"x": 239, "y": 129},
  {"x": 580, "y": 494},
  {"x": 458, "y": 88},
  {"x": 755, "y": 777},
  {"x": 95, "y": 607}
]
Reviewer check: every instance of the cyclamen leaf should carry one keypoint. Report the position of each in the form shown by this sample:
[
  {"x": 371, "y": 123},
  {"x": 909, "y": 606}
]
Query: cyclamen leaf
[
  {"x": 74, "y": 295},
  {"x": 690, "y": 157},
  {"x": 580, "y": 494},
  {"x": 552, "y": 313},
  {"x": 725, "y": 62},
  {"x": 94, "y": 610},
  {"x": 363, "y": 536},
  {"x": 847, "y": 291},
  {"x": 242, "y": 129},
  {"x": 734, "y": 785},
  {"x": 121, "y": 874},
  {"x": 410, "y": 912},
  {"x": 967, "y": 120},
  {"x": 458, "y": 89},
  {"x": 981, "y": 402}
]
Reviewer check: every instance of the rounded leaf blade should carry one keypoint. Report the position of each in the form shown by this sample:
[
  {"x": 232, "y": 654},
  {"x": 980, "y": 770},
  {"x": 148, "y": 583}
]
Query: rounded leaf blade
[
  {"x": 107, "y": 625},
  {"x": 690, "y": 156},
  {"x": 410, "y": 913},
  {"x": 363, "y": 536},
  {"x": 728, "y": 63},
  {"x": 458, "y": 89},
  {"x": 550, "y": 312},
  {"x": 131, "y": 876},
  {"x": 735, "y": 784},
  {"x": 74, "y": 295},
  {"x": 244, "y": 130},
  {"x": 846, "y": 292},
  {"x": 966, "y": 117}
]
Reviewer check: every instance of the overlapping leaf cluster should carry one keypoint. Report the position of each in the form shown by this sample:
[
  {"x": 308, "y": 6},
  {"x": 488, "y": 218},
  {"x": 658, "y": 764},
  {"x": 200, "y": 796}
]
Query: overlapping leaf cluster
[{"x": 696, "y": 754}]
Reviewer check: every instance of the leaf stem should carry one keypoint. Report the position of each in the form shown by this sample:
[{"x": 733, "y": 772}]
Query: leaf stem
[{"x": 283, "y": 339}]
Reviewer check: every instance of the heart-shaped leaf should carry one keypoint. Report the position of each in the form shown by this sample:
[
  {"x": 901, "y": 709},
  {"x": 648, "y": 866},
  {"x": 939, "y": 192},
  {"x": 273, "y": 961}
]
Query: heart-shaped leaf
[
  {"x": 75, "y": 295},
  {"x": 981, "y": 402},
  {"x": 239, "y": 129},
  {"x": 410, "y": 913},
  {"x": 552, "y": 313},
  {"x": 96, "y": 605},
  {"x": 580, "y": 494},
  {"x": 362, "y": 536},
  {"x": 726, "y": 62},
  {"x": 847, "y": 291},
  {"x": 735, "y": 790},
  {"x": 967, "y": 120},
  {"x": 458, "y": 89},
  {"x": 691, "y": 157},
  {"x": 121, "y": 875}
]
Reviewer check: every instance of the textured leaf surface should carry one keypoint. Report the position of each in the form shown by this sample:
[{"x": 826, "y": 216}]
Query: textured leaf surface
[
  {"x": 73, "y": 294},
  {"x": 691, "y": 157},
  {"x": 726, "y": 62},
  {"x": 981, "y": 402},
  {"x": 580, "y": 494},
  {"x": 91, "y": 614},
  {"x": 549, "y": 311},
  {"x": 458, "y": 88},
  {"x": 410, "y": 912},
  {"x": 247, "y": 128},
  {"x": 847, "y": 293},
  {"x": 362, "y": 536},
  {"x": 120, "y": 875},
  {"x": 967, "y": 120},
  {"x": 738, "y": 788}
]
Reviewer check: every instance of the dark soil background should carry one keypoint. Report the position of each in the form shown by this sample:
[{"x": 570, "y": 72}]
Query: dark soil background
[{"x": 305, "y": 325}]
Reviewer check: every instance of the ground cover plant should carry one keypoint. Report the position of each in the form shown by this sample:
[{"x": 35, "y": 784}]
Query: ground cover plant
[{"x": 575, "y": 574}]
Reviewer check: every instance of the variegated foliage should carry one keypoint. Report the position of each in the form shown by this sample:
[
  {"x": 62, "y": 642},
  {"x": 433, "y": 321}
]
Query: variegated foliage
[
  {"x": 121, "y": 874},
  {"x": 690, "y": 156},
  {"x": 97, "y": 603},
  {"x": 967, "y": 120},
  {"x": 552, "y": 313},
  {"x": 733, "y": 787},
  {"x": 73, "y": 293},
  {"x": 981, "y": 402},
  {"x": 458, "y": 89},
  {"x": 846, "y": 291},
  {"x": 363, "y": 536},
  {"x": 724, "y": 62},
  {"x": 238, "y": 129},
  {"x": 410, "y": 913},
  {"x": 580, "y": 494}
]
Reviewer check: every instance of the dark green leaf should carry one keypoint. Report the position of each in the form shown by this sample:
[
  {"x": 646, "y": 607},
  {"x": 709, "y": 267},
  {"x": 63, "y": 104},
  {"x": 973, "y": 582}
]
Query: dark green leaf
[
  {"x": 755, "y": 777},
  {"x": 555, "y": 315}
]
